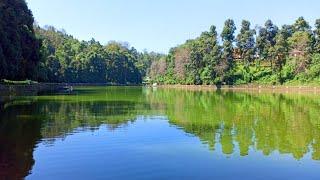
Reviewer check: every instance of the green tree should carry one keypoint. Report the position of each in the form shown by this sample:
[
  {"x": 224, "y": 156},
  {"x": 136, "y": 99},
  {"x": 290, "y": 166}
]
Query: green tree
[
  {"x": 196, "y": 65},
  {"x": 19, "y": 48},
  {"x": 211, "y": 57},
  {"x": 54, "y": 69},
  {"x": 301, "y": 25},
  {"x": 300, "y": 47},
  {"x": 144, "y": 61},
  {"x": 226, "y": 65},
  {"x": 266, "y": 40},
  {"x": 96, "y": 68},
  {"x": 280, "y": 53},
  {"x": 120, "y": 65},
  {"x": 317, "y": 36},
  {"x": 246, "y": 43}
]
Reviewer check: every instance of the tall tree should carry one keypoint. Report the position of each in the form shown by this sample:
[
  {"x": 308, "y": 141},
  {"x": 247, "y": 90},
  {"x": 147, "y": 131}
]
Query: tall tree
[
  {"x": 246, "y": 42},
  {"x": 19, "y": 48},
  {"x": 262, "y": 44},
  {"x": 300, "y": 48},
  {"x": 211, "y": 57},
  {"x": 301, "y": 25},
  {"x": 181, "y": 59},
  {"x": 266, "y": 40},
  {"x": 272, "y": 31},
  {"x": 317, "y": 36},
  {"x": 196, "y": 65},
  {"x": 280, "y": 51},
  {"x": 226, "y": 64}
]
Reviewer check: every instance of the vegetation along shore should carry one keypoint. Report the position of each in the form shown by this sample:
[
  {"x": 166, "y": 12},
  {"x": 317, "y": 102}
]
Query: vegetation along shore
[
  {"x": 268, "y": 54},
  {"x": 246, "y": 87}
]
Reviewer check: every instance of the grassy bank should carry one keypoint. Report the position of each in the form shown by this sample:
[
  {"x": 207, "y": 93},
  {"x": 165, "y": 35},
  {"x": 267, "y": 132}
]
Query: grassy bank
[
  {"x": 22, "y": 89},
  {"x": 10, "y": 82},
  {"x": 249, "y": 87}
]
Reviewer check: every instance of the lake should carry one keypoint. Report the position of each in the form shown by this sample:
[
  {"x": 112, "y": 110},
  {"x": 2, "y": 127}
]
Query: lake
[{"x": 149, "y": 133}]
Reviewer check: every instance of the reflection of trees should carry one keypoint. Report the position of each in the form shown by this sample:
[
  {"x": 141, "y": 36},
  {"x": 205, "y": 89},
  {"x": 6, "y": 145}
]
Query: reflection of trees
[
  {"x": 25, "y": 122},
  {"x": 18, "y": 137},
  {"x": 88, "y": 108},
  {"x": 64, "y": 118},
  {"x": 284, "y": 123},
  {"x": 267, "y": 122}
]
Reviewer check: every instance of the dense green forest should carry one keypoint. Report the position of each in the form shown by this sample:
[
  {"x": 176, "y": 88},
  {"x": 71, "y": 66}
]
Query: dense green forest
[
  {"x": 66, "y": 59},
  {"x": 263, "y": 55},
  {"x": 28, "y": 51},
  {"x": 19, "y": 48}
]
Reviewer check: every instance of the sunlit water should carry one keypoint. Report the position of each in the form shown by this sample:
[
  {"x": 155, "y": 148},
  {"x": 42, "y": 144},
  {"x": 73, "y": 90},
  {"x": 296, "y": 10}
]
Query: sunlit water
[{"x": 145, "y": 133}]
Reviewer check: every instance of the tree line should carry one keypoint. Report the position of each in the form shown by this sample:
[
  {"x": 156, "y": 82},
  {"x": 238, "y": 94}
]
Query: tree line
[
  {"x": 28, "y": 51},
  {"x": 262, "y": 55},
  {"x": 66, "y": 59}
]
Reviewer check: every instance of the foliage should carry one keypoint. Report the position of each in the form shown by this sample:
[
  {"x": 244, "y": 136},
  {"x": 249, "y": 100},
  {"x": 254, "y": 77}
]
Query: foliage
[
  {"x": 271, "y": 56},
  {"x": 246, "y": 42},
  {"x": 66, "y": 59},
  {"x": 19, "y": 48},
  {"x": 317, "y": 36}
]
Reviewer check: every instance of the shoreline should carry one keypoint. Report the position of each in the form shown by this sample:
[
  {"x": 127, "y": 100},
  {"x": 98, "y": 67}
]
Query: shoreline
[
  {"x": 29, "y": 89},
  {"x": 10, "y": 92},
  {"x": 7, "y": 90},
  {"x": 253, "y": 88}
]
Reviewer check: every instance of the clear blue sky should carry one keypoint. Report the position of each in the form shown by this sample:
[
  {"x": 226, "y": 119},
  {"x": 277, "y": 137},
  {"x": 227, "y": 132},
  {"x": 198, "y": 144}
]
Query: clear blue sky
[{"x": 157, "y": 25}]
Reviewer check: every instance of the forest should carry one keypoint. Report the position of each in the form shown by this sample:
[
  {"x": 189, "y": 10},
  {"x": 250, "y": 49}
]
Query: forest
[
  {"x": 261, "y": 55},
  {"x": 266, "y": 54},
  {"x": 66, "y": 59},
  {"x": 46, "y": 54}
]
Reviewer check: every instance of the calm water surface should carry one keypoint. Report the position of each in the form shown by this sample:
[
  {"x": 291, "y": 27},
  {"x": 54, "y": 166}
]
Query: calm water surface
[{"x": 141, "y": 133}]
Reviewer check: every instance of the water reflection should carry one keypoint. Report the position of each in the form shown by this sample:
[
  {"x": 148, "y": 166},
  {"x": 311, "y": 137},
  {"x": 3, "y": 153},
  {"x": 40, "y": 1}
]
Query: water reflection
[
  {"x": 18, "y": 138},
  {"x": 289, "y": 124},
  {"x": 234, "y": 122}
]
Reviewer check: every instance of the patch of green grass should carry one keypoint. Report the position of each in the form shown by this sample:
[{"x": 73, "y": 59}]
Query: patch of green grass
[{"x": 10, "y": 82}]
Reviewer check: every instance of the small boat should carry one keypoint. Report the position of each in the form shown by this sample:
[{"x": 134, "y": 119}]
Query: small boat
[{"x": 68, "y": 88}]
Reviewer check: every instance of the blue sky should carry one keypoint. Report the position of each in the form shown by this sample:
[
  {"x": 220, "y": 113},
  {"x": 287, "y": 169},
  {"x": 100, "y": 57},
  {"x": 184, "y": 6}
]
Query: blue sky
[{"x": 158, "y": 25}]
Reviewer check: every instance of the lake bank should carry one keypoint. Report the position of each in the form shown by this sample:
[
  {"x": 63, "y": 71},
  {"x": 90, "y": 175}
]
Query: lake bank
[
  {"x": 251, "y": 87},
  {"x": 8, "y": 92},
  {"x": 29, "y": 89},
  {"x": 35, "y": 88}
]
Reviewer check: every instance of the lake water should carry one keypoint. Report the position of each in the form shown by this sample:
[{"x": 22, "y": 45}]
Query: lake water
[{"x": 145, "y": 133}]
